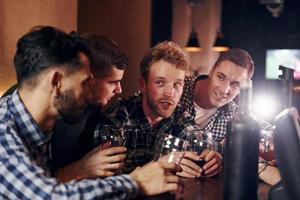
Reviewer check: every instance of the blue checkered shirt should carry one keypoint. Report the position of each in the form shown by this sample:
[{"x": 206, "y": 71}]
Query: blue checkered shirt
[
  {"x": 218, "y": 121},
  {"x": 142, "y": 136},
  {"x": 24, "y": 163}
]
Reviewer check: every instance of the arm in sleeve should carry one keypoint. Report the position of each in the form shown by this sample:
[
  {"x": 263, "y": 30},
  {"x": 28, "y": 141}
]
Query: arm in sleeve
[{"x": 21, "y": 178}]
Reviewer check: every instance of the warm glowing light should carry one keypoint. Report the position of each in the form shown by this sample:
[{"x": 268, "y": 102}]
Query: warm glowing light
[
  {"x": 265, "y": 106},
  {"x": 193, "y": 49},
  {"x": 220, "y": 48}
]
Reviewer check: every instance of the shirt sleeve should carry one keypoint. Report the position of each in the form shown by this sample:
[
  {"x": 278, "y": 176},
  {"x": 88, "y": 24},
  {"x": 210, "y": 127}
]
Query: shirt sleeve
[{"x": 21, "y": 178}]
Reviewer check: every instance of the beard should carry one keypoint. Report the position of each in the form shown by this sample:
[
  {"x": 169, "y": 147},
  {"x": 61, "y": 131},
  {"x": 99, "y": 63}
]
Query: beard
[
  {"x": 68, "y": 107},
  {"x": 162, "y": 107}
]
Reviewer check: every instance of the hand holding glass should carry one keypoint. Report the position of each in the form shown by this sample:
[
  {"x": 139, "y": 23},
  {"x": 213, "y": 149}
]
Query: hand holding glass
[
  {"x": 198, "y": 145},
  {"x": 170, "y": 149}
]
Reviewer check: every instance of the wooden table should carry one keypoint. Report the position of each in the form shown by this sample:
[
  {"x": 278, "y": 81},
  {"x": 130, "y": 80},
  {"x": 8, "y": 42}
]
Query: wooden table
[{"x": 205, "y": 189}]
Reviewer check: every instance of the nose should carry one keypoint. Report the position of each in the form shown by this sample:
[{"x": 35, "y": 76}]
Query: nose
[
  {"x": 118, "y": 88},
  {"x": 225, "y": 89},
  {"x": 169, "y": 91}
]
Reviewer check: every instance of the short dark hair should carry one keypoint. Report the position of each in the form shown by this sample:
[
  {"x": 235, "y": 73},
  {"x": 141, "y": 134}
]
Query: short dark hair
[
  {"x": 239, "y": 57},
  {"x": 106, "y": 54},
  {"x": 167, "y": 51},
  {"x": 45, "y": 47}
]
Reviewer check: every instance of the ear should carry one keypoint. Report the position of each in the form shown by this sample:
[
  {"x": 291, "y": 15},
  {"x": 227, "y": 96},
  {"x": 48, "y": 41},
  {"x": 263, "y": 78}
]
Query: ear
[
  {"x": 142, "y": 85},
  {"x": 56, "y": 78}
]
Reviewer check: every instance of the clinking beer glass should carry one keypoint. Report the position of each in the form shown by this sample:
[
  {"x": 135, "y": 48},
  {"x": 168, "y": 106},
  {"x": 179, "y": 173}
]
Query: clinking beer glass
[{"x": 169, "y": 148}]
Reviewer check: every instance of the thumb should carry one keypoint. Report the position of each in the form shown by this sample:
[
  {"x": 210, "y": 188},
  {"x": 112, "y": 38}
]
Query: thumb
[{"x": 105, "y": 145}]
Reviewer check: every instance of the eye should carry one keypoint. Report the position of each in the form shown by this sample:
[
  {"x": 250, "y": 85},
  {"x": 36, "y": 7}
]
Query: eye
[
  {"x": 178, "y": 84},
  {"x": 114, "y": 83},
  {"x": 235, "y": 85},
  {"x": 221, "y": 78},
  {"x": 160, "y": 83}
]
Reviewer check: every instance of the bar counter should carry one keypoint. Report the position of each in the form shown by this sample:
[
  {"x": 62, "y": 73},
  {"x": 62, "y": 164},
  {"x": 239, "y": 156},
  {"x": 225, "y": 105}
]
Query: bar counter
[{"x": 205, "y": 189}]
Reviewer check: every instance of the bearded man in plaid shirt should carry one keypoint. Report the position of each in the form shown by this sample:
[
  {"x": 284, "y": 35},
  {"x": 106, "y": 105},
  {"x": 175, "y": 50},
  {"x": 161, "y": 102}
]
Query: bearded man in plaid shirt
[{"x": 154, "y": 111}]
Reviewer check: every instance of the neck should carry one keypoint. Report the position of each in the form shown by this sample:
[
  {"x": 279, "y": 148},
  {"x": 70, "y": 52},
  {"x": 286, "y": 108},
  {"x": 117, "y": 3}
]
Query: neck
[
  {"x": 151, "y": 116},
  {"x": 38, "y": 104},
  {"x": 201, "y": 94}
]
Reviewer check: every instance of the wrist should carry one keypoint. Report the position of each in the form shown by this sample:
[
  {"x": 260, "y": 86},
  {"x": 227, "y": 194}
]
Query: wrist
[
  {"x": 136, "y": 178},
  {"x": 70, "y": 172}
]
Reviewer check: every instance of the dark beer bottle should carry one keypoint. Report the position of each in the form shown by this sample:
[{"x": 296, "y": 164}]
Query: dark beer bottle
[{"x": 241, "y": 151}]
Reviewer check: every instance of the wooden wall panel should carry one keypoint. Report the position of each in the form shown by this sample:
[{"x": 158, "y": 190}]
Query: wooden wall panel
[
  {"x": 126, "y": 22},
  {"x": 17, "y": 17}
]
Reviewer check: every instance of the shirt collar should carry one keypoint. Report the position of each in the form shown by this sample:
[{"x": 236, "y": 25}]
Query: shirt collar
[{"x": 27, "y": 126}]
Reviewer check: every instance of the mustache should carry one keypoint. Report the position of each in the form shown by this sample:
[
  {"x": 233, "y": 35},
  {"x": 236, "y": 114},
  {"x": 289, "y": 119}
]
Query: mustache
[{"x": 166, "y": 100}]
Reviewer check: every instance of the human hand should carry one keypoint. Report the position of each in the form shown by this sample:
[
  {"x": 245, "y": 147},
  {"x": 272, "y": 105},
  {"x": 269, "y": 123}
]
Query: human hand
[
  {"x": 157, "y": 177},
  {"x": 268, "y": 172},
  {"x": 222, "y": 143},
  {"x": 189, "y": 168},
  {"x": 213, "y": 163},
  {"x": 101, "y": 161}
]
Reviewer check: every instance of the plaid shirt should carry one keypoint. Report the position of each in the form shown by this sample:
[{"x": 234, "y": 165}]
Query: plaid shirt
[
  {"x": 141, "y": 137},
  {"x": 218, "y": 121},
  {"x": 24, "y": 163}
]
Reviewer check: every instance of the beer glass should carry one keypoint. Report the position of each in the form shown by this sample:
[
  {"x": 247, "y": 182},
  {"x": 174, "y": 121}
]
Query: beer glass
[
  {"x": 113, "y": 134},
  {"x": 169, "y": 148}
]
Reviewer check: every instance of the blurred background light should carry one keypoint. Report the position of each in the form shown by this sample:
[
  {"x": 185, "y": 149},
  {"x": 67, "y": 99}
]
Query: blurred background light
[{"x": 266, "y": 106}]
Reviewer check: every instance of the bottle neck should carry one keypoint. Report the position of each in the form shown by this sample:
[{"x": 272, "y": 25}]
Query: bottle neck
[{"x": 245, "y": 101}]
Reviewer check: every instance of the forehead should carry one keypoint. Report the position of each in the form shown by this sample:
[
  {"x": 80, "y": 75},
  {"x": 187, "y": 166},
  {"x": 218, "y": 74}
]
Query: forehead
[
  {"x": 107, "y": 71},
  {"x": 115, "y": 72},
  {"x": 231, "y": 71},
  {"x": 112, "y": 73},
  {"x": 166, "y": 70}
]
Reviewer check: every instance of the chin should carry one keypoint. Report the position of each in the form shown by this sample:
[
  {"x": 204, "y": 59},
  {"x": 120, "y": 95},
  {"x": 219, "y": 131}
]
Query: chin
[
  {"x": 216, "y": 104},
  {"x": 220, "y": 104},
  {"x": 102, "y": 103},
  {"x": 166, "y": 114}
]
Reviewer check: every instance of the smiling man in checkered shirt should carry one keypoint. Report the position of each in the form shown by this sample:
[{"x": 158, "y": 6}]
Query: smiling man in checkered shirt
[
  {"x": 209, "y": 99},
  {"x": 53, "y": 75}
]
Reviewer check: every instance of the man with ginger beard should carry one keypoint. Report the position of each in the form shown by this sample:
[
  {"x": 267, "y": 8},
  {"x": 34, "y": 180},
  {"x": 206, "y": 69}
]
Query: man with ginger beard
[{"x": 153, "y": 111}]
